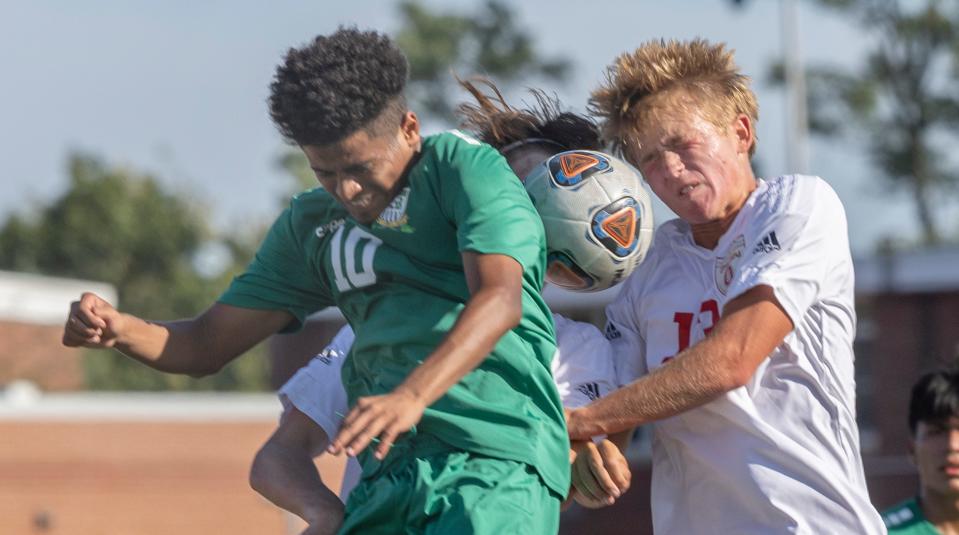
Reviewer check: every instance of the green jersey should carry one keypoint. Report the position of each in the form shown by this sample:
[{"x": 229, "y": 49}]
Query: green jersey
[
  {"x": 906, "y": 518},
  {"x": 400, "y": 284}
]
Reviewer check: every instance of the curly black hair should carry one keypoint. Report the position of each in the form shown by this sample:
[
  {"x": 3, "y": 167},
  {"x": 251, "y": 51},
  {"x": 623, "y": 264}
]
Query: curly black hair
[
  {"x": 337, "y": 84},
  {"x": 497, "y": 123}
]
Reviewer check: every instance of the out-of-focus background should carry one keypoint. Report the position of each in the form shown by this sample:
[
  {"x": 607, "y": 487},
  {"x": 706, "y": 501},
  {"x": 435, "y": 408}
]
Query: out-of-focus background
[{"x": 137, "y": 160}]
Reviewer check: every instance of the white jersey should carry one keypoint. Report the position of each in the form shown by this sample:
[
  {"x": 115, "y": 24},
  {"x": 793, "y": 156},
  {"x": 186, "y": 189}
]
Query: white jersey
[
  {"x": 780, "y": 454},
  {"x": 582, "y": 368}
]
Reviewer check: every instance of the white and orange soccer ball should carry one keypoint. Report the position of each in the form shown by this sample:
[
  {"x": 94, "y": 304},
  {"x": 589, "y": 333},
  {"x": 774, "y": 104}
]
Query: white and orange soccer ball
[{"x": 597, "y": 215}]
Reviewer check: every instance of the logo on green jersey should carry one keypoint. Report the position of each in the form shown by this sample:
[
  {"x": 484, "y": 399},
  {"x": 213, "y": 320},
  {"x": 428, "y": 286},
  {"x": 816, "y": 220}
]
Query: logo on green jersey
[
  {"x": 394, "y": 216},
  {"x": 327, "y": 228}
]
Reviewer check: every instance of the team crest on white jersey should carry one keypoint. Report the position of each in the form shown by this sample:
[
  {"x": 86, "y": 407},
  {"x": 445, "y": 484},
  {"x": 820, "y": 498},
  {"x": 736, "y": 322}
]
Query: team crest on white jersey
[
  {"x": 394, "y": 216},
  {"x": 726, "y": 264}
]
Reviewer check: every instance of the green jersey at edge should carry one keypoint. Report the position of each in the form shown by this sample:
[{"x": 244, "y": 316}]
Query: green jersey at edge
[{"x": 400, "y": 283}]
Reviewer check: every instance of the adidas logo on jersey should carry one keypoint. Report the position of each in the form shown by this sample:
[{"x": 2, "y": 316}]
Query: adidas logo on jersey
[
  {"x": 768, "y": 244},
  {"x": 590, "y": 390},
  {"x": 612, "y": 332}
]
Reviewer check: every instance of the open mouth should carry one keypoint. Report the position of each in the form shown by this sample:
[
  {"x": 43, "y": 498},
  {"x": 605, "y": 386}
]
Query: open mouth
[
  {"x": 360, "y": 204},
  {"x": 687, "y": 190}
]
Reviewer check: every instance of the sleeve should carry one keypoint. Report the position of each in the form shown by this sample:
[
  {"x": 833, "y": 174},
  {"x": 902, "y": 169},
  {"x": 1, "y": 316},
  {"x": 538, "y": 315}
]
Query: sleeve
[
  {"x": 489, "y": 207},
  {"x": 793, "y": 247},
  {"x": 626, "y": 343},
  {"x": 279, "y": 277},
  {"x": 583, "y": 365},
  {"x": 317, "y": 389}
]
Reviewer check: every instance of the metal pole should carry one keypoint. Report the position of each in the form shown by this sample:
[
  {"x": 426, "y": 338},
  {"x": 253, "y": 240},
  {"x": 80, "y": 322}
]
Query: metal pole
[{"x": 797, "y": 120}]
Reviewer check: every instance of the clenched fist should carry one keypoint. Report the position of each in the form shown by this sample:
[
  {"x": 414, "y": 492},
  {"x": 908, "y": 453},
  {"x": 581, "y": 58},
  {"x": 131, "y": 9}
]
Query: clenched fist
[{"x": 92, "y": 322}]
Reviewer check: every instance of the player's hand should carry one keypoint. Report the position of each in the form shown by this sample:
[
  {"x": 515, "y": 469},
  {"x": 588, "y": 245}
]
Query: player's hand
[
  {"x": 378, "y": 419},
  {"x": 600, "y": 473},
  {"x": 92, "y": 322}
]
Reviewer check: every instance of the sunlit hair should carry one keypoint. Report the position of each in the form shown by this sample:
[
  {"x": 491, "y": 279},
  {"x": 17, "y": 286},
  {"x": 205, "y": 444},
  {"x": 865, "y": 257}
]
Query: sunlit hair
[
  {"x": 503, "y": 126},
  {"x": 669, "y": 76},
  {"x": 934, "y": 399}
]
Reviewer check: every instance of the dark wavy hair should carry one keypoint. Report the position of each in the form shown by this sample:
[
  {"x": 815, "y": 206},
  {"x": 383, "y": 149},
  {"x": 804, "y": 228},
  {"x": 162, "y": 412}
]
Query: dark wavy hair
[
  {"x": 330, "y": 88},
  {"x": 497, "y": 123},
  {"x": 935, "y": 398}
]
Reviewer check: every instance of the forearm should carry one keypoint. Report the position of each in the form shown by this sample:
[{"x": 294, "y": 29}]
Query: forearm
[
  {"x": 289, "y": 479},
  {"x": 181, "y": 346},
  {"x": 695, "y": 377},
  {"x": 159, "y": 345},
  {"x": 198, "y": 346},
  {"x": 753, "y": 325},
  {"x": 488, "y": 315}
]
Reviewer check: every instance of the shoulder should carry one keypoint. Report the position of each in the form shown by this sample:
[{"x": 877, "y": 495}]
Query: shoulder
[
  {"x": 789, "y": 204},
  {"x": 454, "y": 147},
  {"x": 797, "y": 194},
  {"x": 903, "y": 516},
  {"x": 312, "y": 209}
]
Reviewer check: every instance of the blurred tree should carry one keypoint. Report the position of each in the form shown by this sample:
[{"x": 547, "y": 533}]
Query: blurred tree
[
  {"x": 119, "y": 226},
  {"x": 903, "y": 102},
  {"x": 489, "y": 42}
]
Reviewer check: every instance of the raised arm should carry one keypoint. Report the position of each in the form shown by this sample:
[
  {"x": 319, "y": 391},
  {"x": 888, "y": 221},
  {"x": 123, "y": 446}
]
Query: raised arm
[
  {"x": 197, "y": 346},
  {"x": 494, "y": 307},
  {"x": 752, "y": 325}
]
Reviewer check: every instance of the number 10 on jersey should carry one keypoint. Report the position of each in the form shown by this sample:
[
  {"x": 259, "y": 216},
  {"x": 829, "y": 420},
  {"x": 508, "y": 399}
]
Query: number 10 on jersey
[{"x": 343, "y": 254}]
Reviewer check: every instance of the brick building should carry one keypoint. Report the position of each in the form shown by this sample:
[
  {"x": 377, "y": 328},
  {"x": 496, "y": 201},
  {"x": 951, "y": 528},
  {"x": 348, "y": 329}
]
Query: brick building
[
  {"x": 137, "y": 464},
  {"x": 32, "y": 311}
]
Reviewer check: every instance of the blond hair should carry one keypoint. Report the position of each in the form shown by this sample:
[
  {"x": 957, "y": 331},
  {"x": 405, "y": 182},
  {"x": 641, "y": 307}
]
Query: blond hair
[{"x": 662, "y": 76}]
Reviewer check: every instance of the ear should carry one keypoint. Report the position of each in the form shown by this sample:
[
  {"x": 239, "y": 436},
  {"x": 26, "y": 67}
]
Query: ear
[
  {"x": 912, "y": 452},
  {"x": 410, "y": 130},
  {"x": 743, "y": 129}
]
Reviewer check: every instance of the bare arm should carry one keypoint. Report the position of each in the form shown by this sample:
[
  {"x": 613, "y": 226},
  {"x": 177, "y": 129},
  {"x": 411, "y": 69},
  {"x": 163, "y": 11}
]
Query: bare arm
[
  {"x": 197, "y": 346},
  {"x": 494, "y": 307},
  {"x": 752, "y": 326},
  {"x": 284, "y": 473}
]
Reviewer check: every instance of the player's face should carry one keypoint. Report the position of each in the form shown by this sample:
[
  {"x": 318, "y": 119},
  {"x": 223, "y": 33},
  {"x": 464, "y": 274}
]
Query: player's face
[
  {"x": 696, "y": 168},
  {"x": 365, "y": 172},
  {"x": 523, "y": 160},
  {"x": 936, "y": 453}
]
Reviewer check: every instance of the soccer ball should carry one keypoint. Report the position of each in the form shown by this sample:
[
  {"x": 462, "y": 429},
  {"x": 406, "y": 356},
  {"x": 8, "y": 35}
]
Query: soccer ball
[{"x": 597, "y": 215}]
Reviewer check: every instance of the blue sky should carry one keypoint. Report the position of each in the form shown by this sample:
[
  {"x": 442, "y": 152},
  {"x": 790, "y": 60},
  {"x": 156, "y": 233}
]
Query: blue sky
[{"x": 177, "y": 88}]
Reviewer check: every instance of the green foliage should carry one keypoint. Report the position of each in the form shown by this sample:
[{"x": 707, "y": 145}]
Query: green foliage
[
  {"x": 295, "y": 165},
  {"x": 902, "y": 103},
  {"x": 488, "y": 42},
  {"x": 119, "y": 226}
]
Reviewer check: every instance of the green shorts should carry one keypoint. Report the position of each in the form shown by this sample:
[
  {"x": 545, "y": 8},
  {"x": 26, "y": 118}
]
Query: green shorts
[{"x": 424, "y": 487}]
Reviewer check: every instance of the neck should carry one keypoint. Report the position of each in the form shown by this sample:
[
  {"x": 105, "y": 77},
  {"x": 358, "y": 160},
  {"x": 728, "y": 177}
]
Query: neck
[
  {"x": 941, "y": 510},
  {"x": 707, "y": 234}
]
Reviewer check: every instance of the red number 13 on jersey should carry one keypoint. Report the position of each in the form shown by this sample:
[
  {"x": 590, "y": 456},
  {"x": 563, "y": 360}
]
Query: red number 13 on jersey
[{"x": 684, "y": 323}]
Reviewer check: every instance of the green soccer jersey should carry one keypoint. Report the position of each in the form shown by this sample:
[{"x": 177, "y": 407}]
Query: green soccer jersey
[
  {"x": 906, "y": 518},
  {"x": 400, "y": 284}
]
